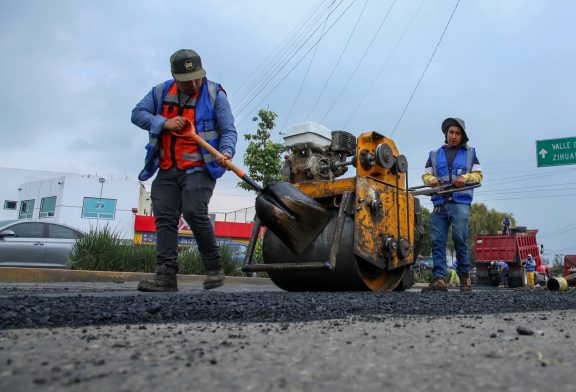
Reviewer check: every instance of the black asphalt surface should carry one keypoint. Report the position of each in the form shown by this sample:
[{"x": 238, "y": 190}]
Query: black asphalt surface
[
  {"x": 109, "y": 337},
  {"x": 24, "y": 310}
]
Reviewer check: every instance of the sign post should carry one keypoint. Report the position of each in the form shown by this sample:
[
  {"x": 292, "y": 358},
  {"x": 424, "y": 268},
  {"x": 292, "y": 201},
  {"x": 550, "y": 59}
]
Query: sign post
[{"x": 555, "y": 152}]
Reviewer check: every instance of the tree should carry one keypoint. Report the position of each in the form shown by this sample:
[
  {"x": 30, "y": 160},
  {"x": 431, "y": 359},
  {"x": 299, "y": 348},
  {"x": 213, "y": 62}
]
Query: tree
[
  {"x": 262, "y": 156},
  {"x": 557, "y": 267},
  {"x": 425, "y": 242}
]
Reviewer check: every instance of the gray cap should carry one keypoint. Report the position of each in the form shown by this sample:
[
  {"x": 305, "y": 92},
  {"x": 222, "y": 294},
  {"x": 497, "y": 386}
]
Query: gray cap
[
  {"x": 457, "y": 122},
  {"x": 186, "y": 65}
]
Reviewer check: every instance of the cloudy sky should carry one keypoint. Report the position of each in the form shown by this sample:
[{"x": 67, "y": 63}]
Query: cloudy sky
[{"x": 73, "y": 70}]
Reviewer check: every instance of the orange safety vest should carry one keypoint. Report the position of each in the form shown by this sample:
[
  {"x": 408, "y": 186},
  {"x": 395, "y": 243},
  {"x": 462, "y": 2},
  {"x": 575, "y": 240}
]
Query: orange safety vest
[{"x": 179, "y": 150}]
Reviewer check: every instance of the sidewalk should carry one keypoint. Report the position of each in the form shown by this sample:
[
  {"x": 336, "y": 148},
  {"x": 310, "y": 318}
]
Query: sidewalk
[{"x": 48, "y": 275}]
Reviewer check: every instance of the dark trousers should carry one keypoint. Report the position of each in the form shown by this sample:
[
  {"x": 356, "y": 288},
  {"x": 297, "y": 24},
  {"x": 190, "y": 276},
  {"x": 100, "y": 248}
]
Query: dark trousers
[
  {"x": 174, "y": 193},
  {"x": 504, "y": 277}
]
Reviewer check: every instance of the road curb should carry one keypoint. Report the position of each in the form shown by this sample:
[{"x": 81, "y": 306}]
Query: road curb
[{"x": 46, "y": 275}]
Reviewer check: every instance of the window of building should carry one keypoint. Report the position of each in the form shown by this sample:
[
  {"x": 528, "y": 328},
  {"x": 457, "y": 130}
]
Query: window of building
[
  {"x": 47, "y": 207},
  {"x": 10, "y": 204},
  {"x": 98, "y": 208},
  {"x": 26, "y": 209}
]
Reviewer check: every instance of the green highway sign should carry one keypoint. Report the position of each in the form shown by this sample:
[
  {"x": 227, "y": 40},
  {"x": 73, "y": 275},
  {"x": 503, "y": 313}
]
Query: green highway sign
[{"x": 555, "y": 152}]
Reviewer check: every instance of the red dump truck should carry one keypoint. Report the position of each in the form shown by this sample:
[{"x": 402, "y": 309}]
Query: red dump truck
[
  {"x": 514, "y": 250},
  {"x": 569, "y": 265}
]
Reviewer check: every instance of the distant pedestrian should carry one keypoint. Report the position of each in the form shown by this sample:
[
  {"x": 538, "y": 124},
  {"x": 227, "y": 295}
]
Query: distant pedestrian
[
  {"x": 506, "y": 222},
  {"x": 454, "y": 163},
  {"x": 503, "y": 272},
  {"x": 530, "y": 266}
]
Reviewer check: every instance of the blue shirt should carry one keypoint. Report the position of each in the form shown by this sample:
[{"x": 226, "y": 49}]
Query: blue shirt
[
  {"x": 502, "y": 266},
  {"x": 530, "y": 264}
]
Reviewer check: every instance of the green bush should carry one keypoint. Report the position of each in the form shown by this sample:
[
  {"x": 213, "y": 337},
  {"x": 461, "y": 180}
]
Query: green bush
[
  {"x": 104, "y": 250},
  {"x": 422, "y": 276}
]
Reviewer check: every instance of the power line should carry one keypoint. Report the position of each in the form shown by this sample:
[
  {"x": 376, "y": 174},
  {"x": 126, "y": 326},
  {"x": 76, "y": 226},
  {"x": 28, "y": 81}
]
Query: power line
[
  {"x": 282, "y": 59},
  {"x": 425, "y": 69},
  {"x": 338, "y": 61},
  {"x": 563, "y": 230},
  {"x": 383, "y": 65},
  {"x": 530, "y": 197},
  {"x": 299, "y": 29},
  {"x": 530, "y": 175},
  {"x": 263, "y": 85},
  {"x": 298, "y": 62},
  {"x": 520, "y": 190},
  {"x": 305, "y": 75},
  {"x": 360, "y": 61},
  {"x": 531, "y": 187}
]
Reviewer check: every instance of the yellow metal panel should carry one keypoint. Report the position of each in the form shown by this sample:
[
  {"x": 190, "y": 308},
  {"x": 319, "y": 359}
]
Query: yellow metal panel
[
  {"x": 396, "y": 220},
  {"x": 320, "y": 189}
]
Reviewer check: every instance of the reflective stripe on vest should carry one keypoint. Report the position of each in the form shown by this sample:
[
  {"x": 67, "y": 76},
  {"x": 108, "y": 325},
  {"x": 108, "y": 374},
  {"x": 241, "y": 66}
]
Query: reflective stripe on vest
[{"x": 462, "y": 164}]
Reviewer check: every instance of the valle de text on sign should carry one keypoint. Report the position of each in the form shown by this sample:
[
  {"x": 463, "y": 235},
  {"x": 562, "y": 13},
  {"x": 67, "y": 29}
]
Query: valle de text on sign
[{"x": 555, "y": 152}]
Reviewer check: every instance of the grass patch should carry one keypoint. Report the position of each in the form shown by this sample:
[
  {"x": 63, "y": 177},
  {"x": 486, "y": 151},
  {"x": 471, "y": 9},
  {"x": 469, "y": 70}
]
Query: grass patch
[{"x": 104, "y": 250}]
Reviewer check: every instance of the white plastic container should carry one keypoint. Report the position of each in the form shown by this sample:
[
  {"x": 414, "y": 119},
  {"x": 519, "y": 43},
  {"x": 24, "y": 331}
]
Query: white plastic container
[{"x": 310, "y": 133}]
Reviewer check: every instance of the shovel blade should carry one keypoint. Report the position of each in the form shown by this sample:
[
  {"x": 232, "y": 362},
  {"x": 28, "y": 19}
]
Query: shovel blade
[{"x": 293, "y": 217}]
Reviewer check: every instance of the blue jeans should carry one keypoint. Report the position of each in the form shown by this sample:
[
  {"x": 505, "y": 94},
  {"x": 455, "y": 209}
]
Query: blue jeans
[
  {"x": 173, "y": 193},
  {"x": 455, "y": 214}
]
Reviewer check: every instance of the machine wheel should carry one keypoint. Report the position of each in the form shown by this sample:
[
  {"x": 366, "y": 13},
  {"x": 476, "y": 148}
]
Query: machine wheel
[
  {"x": 407, "y": 281},
  {"x": 351, "y": 272}
]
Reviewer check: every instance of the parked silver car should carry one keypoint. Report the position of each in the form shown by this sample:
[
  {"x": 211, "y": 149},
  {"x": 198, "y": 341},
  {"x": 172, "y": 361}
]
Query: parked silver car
[{"x": 27, "y": 243}]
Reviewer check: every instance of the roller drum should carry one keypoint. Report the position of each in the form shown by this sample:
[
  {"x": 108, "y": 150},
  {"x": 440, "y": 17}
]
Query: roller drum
[{"x": 350, "y": 273}]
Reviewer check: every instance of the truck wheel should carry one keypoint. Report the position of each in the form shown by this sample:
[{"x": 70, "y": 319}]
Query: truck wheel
[
  {"x": 542, "y": 279},
  {"x": 518, "y": 278}
]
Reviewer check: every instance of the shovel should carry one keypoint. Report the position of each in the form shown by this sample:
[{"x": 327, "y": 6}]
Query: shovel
[{"x": 293, "y": 217}]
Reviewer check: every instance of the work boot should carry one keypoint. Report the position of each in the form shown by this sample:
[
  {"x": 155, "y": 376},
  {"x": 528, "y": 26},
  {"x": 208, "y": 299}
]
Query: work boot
[
  {"x": 214, "y": 278},
  {"x": 437, "y": 284},
  {"x": 164, "y": 280},
  {"x": 465, "y": 283}
]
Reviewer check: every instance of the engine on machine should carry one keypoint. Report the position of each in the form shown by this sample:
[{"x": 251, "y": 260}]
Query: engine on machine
[{"x": 316, "y": 153}]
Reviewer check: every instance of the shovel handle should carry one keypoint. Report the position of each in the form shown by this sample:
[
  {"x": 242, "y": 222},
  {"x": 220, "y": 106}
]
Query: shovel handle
[{"x": 227, "y": 162}]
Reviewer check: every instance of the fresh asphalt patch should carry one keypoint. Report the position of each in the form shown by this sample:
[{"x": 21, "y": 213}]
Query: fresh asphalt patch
[{"x": 24, "y": 310}]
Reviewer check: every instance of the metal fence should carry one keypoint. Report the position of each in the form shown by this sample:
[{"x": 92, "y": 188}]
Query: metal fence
[{"x": 244, "y": 215}]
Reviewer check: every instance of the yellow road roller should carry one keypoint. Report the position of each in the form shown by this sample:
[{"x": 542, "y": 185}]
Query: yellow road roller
[{"x": 367, "y": 242}]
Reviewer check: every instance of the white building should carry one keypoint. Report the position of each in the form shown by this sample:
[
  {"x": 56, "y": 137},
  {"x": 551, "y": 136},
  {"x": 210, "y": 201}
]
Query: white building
[{"x": 81, "y": 201}]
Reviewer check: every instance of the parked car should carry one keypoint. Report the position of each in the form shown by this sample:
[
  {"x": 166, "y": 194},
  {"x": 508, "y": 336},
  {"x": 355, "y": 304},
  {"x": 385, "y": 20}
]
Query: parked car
[
  {"x": 422, "y": 264},
  {"x": 473, "y": 276},
  {"x": 237, "y": 250},
  {"x": 29, "y": 243}
]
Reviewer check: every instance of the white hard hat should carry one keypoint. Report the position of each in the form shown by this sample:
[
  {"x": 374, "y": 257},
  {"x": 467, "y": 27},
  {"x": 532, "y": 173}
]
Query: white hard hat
[{"x": 529, "y": 255}]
